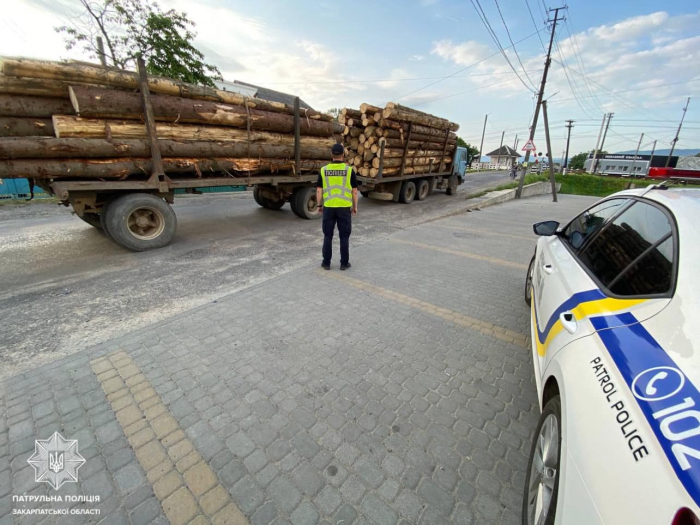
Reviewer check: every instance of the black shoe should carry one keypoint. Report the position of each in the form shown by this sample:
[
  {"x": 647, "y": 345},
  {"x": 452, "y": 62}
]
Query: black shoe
[
  {"x": 344, "y": 267},
  {"x": 326, "y": 266}
]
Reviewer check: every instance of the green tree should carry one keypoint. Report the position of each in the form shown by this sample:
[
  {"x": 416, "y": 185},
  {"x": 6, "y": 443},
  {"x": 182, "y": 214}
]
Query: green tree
[
  {"x": 576, "y": 162},
  {"x": 472, "y": 151},
  {"x": 133, "y": 28}
]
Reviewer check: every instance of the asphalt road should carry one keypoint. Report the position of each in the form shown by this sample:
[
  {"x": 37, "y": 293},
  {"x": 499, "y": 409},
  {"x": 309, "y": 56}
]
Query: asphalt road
[{"x": 64, "y": 286}]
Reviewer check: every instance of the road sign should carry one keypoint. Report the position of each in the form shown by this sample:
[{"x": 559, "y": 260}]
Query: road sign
[{"x": 529, "y": 146}]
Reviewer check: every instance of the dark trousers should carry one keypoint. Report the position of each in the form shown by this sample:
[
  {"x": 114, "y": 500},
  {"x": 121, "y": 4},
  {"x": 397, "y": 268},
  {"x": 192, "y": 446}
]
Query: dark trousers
[{"x": 343, "y": 218}]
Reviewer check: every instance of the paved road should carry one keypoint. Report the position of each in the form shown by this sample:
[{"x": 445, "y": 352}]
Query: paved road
[
  {"x": 399, "y": 391},
  {"x": 64, "y": 286}
]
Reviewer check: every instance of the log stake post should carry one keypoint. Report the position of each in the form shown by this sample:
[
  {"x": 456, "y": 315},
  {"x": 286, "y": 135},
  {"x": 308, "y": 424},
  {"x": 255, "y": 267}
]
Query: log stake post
[
  {"x": 430, "y": 166},
  {"x": 405, "y": 149},
  {"x": 380, "y": 174},
  {"x": 297, "y": 138},
  {"x": 157, "y": 172},
  {"x": 444, "y": 150}
]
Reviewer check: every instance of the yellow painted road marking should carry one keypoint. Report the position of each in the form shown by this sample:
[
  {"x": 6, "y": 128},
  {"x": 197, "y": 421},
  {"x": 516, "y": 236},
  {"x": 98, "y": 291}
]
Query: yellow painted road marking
[
  {"x": 462, "y": 254},
  {"x": 186, "y": 487},
  {"x": 484, "y": 232},
  {"x": 484, "y": 327}
]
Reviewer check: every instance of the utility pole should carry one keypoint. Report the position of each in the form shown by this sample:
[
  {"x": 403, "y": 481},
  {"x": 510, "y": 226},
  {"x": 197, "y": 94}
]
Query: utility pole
[
  {"x": 634, "y": 161},
  {"x": 651, "y": 157},
  {"x": 515, "y": 143},
  {"x": 539, "y": 97},
  {"x": 481, "y": 148},
  {"x": 605, "y": 134},
  {"x": 549, "y": 152},
  {"x": 101, "y": 51},
  {"x": 597, "y": 143},
  {"x": 673, "y": 142},
  {"x": 499, "y": 148},
  {"x": 568, "y": 138}
]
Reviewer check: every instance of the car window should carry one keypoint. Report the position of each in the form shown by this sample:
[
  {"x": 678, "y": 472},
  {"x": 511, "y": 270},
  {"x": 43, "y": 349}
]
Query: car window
[
  {"x": 651, "y": 275},
  {"x": 590, "y": 220},
  {"x": 625, "y": 239}
]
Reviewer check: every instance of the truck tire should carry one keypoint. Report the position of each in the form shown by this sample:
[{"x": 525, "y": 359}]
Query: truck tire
[
  {"x": 408, "y": 192},
  {"x": 293, "y": 202},
  {"x": 422, "y": 189},
  {"x": 272, "y": 205},
  {"x": 452, "y": 185},
  {"x": 93, "y": 219},
  {"x": 140, "y": 221},
  {"x": 305, "y": 203},
  {"x": 256, "y": 196},
  {"x": 364, "y": 194}
]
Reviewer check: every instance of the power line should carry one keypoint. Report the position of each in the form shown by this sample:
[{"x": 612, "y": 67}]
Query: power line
[
  {"x": 487, "y": 25},
  {"x": 568, "y": 80},
  {"x": 631, "y": 90},
  {"x": 527, "y": 3},
  {"x": 579, "y": 58},
  {"x": 464, "y": 68},
  {"x": 512, "y": 44}
]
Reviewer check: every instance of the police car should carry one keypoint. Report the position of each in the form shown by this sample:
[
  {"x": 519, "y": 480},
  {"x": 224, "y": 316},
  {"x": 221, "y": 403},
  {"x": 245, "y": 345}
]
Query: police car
[{"x": 615, "y": 307}]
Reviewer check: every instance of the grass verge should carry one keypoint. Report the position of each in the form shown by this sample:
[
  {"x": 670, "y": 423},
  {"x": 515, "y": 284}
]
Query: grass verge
[{"x": 582, "y": 184}]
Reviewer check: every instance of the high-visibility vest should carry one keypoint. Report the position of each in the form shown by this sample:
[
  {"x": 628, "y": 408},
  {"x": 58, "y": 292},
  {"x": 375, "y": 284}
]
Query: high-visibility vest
[{"x": 337, "y": 190}]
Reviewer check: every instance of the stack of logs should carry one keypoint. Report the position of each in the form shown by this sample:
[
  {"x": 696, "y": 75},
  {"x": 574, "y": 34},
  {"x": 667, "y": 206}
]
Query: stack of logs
[
  {"x": 414, "y": 142},
  {"x": 73, "y": 121}
]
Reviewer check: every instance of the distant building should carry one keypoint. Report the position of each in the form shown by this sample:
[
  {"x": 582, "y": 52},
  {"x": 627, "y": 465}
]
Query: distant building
[
  {"x": 250, "y": 90},
  {"x": 625, "y": 165},
  {"x": 503, "y": 157}
]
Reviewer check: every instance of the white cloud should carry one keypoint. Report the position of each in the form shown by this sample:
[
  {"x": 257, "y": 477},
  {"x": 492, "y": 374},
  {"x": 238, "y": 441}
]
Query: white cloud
[
  {"x": 395, "y": 74},
  {"x": 417, "y": 58},
  {"x": 463, "y": 54}
]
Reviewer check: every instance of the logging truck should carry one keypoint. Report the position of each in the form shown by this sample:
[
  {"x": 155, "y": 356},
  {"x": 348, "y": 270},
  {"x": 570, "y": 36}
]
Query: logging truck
[{"x": 116, "y": 145}]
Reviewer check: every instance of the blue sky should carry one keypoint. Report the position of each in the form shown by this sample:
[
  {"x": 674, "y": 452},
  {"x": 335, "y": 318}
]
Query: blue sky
[{"x": 336, "y": 54}]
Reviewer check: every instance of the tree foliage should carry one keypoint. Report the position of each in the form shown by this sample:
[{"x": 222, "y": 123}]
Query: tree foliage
[
  {"x": 472, "y": 151},
  {"x": 133, "y": 28}
]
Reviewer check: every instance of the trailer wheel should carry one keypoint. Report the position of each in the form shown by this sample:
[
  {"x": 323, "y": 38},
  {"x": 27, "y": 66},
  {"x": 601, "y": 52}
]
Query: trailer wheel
[
  {"x": 364, "y": 194},
  {"x": 93, "y": 219},
  {"x": 306, "y": 205},
  {"x": 293, "y": 202},
  {"x": 140, "y": 221},
  {"x": 257, "y": 197},
  {"x": 408, "y": 192},
  {"x": 452, "y": 185},
  {"x": 423, "y": 189},
  {"x": 272, "y": 205}
]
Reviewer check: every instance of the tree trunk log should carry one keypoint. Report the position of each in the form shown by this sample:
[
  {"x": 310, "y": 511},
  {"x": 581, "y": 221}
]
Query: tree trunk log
[
  {"x": 25, "y": 127},
  {"x": 369, "y": 109},
  {"x": 35, "y": 87},
  {"x": 77, "y": 127},
  {"x": 419, "y": 118},
  {"x": 413, "y": 161},
  {"x": 413, "y": 144},
  {"x": 51, "y": 148},
  {"x": 129, "y": 80},
  {"x": 402, "y": 135},
  {"x": 351, "y": 113},
  {"x": 122, "y": 168},
  {"x": 33, "y": 107},
  {"x": 398, "y": 153},
  {"x": 110, "y": 103},
  {"x": 417, "y": 129},
  {"x": 394, "y": 105}
]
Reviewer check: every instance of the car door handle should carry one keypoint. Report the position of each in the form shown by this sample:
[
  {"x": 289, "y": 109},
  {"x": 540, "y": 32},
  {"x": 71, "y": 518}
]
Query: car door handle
[
  {"x": 548, "y": 268},
  {"x": 568, "y": 321}
]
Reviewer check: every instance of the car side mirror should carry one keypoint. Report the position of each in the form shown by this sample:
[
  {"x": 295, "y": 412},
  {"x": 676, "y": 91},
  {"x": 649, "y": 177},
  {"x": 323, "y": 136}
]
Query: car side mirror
[{"x": 545, "y": 228}]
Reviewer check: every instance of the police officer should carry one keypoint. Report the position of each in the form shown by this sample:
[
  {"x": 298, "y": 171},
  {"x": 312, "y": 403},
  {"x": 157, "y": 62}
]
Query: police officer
[{"x": 337, "y": 184}]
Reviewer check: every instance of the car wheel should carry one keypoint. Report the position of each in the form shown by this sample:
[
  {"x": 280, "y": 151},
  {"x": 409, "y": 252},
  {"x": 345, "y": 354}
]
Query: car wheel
[
  {"x": 528, "y": 281},
  {"x": 542, "y": 482}
]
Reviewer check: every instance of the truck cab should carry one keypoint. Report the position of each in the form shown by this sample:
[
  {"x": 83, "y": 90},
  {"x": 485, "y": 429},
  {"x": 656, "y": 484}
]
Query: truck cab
[{"x": 459, "y": 164}]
